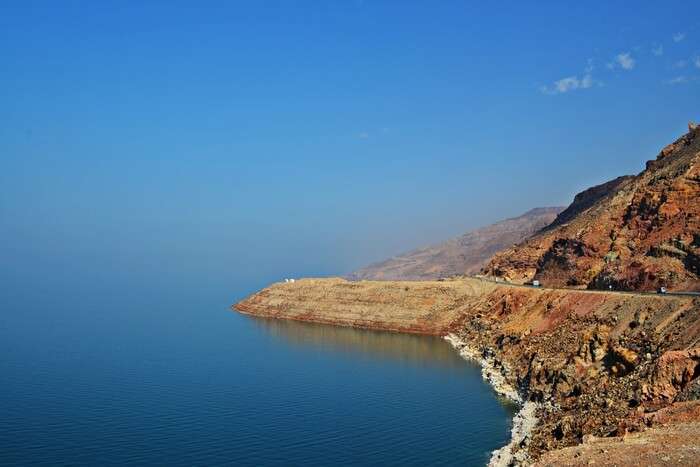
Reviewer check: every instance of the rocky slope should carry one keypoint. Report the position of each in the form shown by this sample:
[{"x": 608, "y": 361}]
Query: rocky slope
[
  {"x": 633, "y": 233},
  {"x": 597, "y": 364},
  {"x": 675, "y": 444},
  {"x": 466, "y": 254}
]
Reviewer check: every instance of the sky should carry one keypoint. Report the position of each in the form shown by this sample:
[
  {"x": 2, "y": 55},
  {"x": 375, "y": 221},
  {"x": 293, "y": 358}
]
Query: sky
[{"x": 240, "y": 142}]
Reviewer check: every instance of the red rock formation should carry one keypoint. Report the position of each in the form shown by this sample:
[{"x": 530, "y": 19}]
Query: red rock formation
[
  {"x": 673, "y": 372},
  {"x": 633, "y": 233}
]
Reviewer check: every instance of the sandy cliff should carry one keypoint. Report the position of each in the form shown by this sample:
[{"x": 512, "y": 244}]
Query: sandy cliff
[{"x": 417, "y": 307}]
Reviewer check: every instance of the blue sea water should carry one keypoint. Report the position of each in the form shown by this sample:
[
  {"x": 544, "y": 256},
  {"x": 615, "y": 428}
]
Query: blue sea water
[{"x": 154, "y": 375}]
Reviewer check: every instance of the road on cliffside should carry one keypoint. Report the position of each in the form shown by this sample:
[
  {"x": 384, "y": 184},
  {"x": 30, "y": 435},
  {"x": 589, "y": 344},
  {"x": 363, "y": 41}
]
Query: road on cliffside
[{"x": 626, "y": 292}]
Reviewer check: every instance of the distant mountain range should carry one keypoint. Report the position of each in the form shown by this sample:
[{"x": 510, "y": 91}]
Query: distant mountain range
[{"x": 466, "y": 254}]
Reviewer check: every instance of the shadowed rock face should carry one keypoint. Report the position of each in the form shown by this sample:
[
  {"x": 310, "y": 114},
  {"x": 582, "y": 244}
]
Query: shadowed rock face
[
  {"x": 588, "y": 198},
  {"x": 466, "y": 254},
  {"x": 633, "y": 233}
]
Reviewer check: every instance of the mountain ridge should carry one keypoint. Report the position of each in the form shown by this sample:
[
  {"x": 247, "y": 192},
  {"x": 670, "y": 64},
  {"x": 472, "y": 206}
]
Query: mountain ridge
[
  {"x": 462, "y": 255},
  {"x": 637, "y": 232}
]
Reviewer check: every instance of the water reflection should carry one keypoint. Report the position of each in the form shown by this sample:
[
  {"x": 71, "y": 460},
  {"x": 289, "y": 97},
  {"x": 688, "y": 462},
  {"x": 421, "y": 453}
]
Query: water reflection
[{"x": 422, "y": 350}]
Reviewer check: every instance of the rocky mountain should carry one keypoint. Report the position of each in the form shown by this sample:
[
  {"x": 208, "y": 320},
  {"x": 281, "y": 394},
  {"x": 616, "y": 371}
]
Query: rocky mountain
[
  {"x": 466, "y": 254},
  {"x": 633, "y": 233}
]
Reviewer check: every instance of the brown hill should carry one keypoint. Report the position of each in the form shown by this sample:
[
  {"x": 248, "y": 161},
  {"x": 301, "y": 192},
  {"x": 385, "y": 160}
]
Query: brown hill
[
  {"x": 466, "y": 254},
  {"x": 633, "y": 233}
]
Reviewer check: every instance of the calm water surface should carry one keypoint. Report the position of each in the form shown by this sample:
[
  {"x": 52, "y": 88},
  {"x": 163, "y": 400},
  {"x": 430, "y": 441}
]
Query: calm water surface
[{"x": 172, "y": 377}]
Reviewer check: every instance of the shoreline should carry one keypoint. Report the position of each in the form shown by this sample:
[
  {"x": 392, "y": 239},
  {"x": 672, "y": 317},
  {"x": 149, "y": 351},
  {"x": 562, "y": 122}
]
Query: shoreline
[
  {"x": 523, "y": 421},
  {"x": 593, "y": 365}
]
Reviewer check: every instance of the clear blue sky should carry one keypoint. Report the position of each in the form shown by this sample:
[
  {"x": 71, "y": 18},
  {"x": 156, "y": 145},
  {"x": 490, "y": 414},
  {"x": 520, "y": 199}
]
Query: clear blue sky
[{"x": 244, "y": 140}]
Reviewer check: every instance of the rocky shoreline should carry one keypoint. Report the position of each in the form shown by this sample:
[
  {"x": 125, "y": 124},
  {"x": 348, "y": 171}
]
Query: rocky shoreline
[
  {"x": 496, "y": 374},
  {"x": 492, "y": 370},
  {"x": 586, "y": 366}
]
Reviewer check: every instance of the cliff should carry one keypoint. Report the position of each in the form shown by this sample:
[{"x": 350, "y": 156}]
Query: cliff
[
  {"x": 633, "y": 233},
  {"x": 466, "y": 254},
  {"x": 415, "y": 307},
  {"x": 597, "y": 364}
]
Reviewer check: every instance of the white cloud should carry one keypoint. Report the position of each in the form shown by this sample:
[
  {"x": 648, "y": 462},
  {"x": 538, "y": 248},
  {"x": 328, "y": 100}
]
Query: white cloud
[
  {"x": 570, "y": 83},
  {"x": 696, "y": 61},
  {"x": 682, "y": 79},
  {"x": 680, "y": 64},
  {"x": 567, "y": 84},
  {"x": 625, "y": 61},
  {"x": 679, "y": 36},
  {"x": 586, "y": 81},
  {"x": 657, "y": 50},
  {"x": 363, "y": 135},
  {"x": 678, "y": 80}
]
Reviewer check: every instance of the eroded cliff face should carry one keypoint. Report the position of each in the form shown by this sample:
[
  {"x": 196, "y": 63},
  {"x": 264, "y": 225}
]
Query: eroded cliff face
[
  {"x": 633, "y": 233},
  {"x": 599, "y": 364}
]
